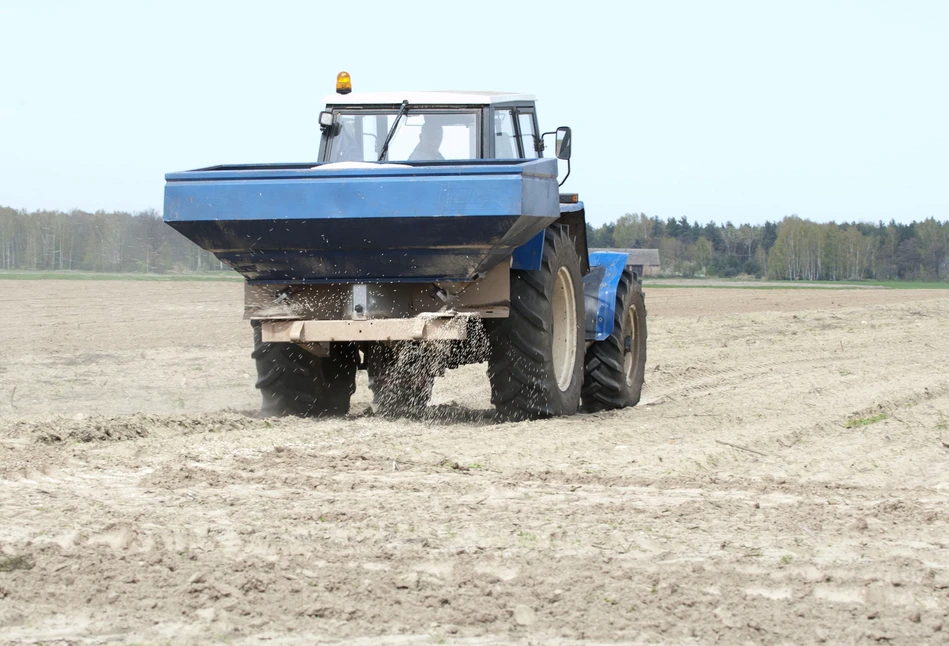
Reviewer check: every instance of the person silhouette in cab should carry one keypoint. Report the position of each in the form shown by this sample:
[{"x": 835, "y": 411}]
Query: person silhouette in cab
[{"x": 428, "y": 142}]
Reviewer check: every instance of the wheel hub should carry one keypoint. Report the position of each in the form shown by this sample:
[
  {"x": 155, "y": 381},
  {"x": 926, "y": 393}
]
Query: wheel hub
[
  {"x": 629, "y": 355},
  {"x": 564, "y": 329}
]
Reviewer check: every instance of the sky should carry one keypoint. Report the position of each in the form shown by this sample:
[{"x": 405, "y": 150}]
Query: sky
[{"x": 723, "y": 111}]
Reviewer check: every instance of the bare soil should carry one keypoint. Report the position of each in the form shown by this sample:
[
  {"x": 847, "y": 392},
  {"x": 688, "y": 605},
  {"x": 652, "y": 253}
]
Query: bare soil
[{"x": 785, "y": 480}]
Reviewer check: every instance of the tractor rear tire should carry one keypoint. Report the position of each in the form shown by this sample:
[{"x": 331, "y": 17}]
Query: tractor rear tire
[
  {"x": 401, "y": 378},
  {"x": 293, "y": 381},
  {"x": 614, "y": 367},
  {"x": 536, "y": 361}
]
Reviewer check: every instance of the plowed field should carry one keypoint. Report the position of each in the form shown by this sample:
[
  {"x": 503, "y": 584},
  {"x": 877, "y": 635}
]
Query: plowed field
[{"x": 784, "y": 480}]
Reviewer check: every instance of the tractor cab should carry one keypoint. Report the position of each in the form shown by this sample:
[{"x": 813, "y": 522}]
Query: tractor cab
[
  {"x": 399, "y": 127},
  {"x": 429, "y": 126}
]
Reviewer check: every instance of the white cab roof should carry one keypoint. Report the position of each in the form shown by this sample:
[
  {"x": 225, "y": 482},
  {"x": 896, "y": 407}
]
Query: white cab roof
[{"x": 425, "y": 98}]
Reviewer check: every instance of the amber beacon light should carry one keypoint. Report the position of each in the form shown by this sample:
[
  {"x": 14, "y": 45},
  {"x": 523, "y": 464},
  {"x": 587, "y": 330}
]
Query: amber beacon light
[{"x": 344, "y": 85}]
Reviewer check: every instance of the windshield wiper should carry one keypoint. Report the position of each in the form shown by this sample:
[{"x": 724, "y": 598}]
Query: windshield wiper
[{"x": 395, "y": 124}]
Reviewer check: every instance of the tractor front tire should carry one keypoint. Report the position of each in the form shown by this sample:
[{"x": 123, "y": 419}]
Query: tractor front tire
[
  {"x": 536, "y": 361},
  {"x": 614, "y": 367},
  {"x": 293, "y": 381}
]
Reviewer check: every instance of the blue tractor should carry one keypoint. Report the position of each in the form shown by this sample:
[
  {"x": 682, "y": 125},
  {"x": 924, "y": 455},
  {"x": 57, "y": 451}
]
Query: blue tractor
[{"x": 430, "y": 234}]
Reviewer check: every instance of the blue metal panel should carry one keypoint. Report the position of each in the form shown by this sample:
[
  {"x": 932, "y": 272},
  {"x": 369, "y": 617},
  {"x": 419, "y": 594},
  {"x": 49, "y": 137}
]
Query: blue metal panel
[
  {"x": 308, "y": 198},
  {"x": 600, "y": 292},
  {"x": 529, "y": 256},
  {"x": 289, "y": 223}
]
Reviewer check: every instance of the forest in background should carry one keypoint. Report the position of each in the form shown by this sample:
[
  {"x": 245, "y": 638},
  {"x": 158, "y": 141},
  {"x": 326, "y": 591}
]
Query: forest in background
[
  {"x": 790, "y": 249},
  {"x": 100, "y": 241}
]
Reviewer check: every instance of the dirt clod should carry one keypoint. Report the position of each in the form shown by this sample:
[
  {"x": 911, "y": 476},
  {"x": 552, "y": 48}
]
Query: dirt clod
[{"x": 18, "y": 562}]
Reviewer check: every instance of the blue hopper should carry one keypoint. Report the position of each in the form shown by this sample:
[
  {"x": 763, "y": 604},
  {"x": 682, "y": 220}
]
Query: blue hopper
[{"x": 355, "y": 223}]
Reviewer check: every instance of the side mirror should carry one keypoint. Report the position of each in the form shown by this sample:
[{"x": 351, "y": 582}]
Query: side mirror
[
  {"x": 563, "y": 142},
  {"x": 563, "y": 147}
]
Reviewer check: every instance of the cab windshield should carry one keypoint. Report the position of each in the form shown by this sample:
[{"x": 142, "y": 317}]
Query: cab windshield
[{"x": 421, "y": 135}]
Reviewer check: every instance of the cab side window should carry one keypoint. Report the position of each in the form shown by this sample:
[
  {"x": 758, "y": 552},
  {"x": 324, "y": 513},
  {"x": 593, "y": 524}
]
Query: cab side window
[
  {"x": 505, "y": 137},
  {"x": 525, "y": 122}
]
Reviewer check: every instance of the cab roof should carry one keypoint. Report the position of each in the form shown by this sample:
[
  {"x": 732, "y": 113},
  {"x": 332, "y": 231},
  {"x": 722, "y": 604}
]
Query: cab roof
[{"x": 426, "y": 98}]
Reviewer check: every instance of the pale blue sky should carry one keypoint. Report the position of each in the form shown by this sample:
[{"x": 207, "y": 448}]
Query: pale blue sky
[{"x": 726, "y": 110}]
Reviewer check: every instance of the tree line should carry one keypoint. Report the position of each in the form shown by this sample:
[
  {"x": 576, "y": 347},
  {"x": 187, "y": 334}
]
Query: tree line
[
  {"x": 100, "y": 241},
  {"x": 791, "y": 249}
]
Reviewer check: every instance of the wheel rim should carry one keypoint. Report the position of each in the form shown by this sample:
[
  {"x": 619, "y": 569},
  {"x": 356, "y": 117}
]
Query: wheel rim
[
  {"x": 629, "y": 345},
  {"x": 564, "y": 329}
]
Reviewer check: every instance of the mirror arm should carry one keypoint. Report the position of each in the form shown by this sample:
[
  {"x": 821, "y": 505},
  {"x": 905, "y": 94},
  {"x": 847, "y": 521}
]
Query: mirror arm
[{"x": 565, "y": 176}]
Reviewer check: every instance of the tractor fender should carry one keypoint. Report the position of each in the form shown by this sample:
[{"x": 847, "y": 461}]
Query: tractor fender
[
  {"x": 599, "y": 292},
  {"x": 573, "y": 216}
]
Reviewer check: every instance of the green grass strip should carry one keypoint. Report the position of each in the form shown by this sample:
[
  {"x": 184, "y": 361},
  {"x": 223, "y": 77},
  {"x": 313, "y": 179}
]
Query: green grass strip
[
  {"x": 866, "y": 421},
  {"x": 6, "y": 274},
  {"x": 796, "y": 284}
]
